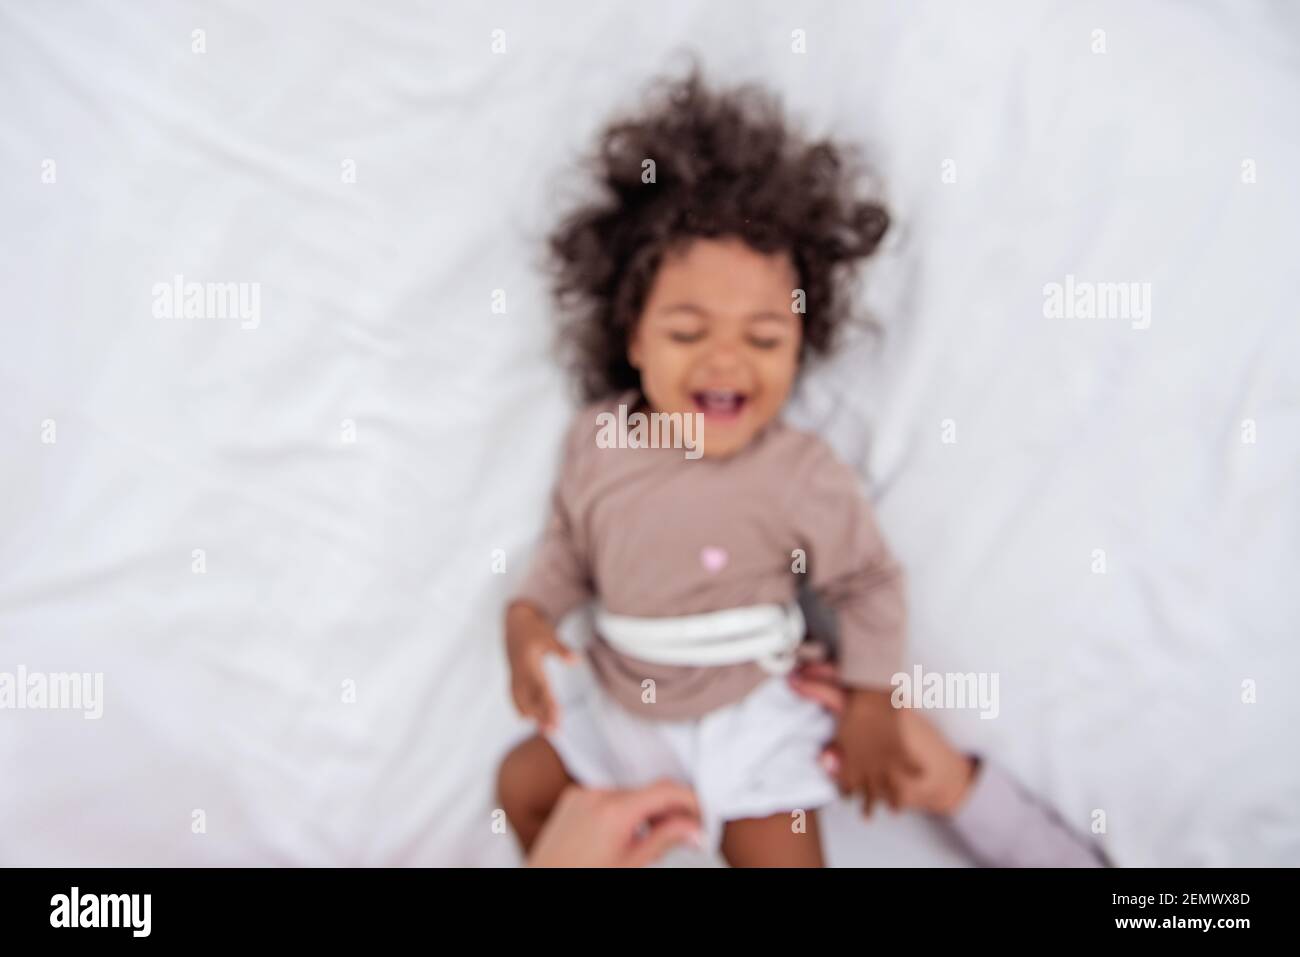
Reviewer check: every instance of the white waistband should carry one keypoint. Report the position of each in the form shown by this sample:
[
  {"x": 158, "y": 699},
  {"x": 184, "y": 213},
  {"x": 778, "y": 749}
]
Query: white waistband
[{"x": 767, "y": 634}]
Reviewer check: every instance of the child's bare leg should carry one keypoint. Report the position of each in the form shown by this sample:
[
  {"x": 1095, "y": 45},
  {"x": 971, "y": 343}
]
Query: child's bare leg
[
  {"x": 776, "y": 841},
  {"x": 529, "y": 782}
]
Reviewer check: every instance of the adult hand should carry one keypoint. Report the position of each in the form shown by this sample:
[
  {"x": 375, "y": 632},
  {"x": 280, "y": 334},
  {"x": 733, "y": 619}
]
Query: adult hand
[
  {"x": 629, "y": 828},
  {"x": 944, "y": 775}
]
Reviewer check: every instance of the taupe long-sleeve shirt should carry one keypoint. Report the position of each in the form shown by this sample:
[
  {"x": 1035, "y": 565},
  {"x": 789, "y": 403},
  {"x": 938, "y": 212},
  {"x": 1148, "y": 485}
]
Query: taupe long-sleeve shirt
[{"x": 651, "y": 533}]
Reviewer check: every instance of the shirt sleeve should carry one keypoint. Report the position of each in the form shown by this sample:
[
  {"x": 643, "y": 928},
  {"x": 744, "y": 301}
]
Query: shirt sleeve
[
  {"x": 559, "y": 577},
  {"x": 1004, "y": 826},
  {"x": 850, "y": 569}
]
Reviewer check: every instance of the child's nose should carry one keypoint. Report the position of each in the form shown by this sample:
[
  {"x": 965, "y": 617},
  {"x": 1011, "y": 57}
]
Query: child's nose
[{"x": 723, "y": 356}]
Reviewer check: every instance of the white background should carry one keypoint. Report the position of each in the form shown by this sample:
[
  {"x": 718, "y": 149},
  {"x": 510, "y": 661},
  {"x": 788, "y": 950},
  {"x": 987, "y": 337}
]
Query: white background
[{"x": 371, "y": 562}]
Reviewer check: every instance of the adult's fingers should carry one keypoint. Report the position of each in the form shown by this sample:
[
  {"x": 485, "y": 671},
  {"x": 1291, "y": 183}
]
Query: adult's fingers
[
  {"x": 811, "y": 651},
  {"x": 910, "y": 766},
  {"x": 665, "y": 834},
  {"x": 832, "y": 762},
  {"x": 661, "y": 799},
  {"x": 912, "y": 790},
  {"x": 827, "y": 694},
  {"x": 908, "y": 779},
  {"x": 818, "y": 671}
]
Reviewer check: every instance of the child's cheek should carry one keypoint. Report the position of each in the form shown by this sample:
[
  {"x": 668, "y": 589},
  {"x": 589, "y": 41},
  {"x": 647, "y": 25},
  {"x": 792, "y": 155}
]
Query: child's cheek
[
  {"x": 661, "y": 376},
  {"x": 780, "y": 377}
]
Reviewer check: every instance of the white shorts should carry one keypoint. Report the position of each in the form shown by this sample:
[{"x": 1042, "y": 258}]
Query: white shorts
[{"x": 754, "y": 758}]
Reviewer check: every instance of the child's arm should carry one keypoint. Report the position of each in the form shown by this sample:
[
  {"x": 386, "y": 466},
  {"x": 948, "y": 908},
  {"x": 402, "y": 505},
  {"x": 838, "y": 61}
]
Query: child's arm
[
  {"x": 530, "y": 637},
  {"x": 558, "y": 581},
  {"x": 869, "y": 745},
  {"x": 852, "y": 571}
]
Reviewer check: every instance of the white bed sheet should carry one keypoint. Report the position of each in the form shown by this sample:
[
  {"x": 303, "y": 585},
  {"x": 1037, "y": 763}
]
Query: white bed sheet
[{"x": 370, "y": 561}]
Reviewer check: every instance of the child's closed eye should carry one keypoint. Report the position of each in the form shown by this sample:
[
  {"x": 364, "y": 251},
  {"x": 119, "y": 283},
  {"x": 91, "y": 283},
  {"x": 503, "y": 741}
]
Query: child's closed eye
[
  {"x": 763, "y": 343},
  {"x": 678, "y": 335}
]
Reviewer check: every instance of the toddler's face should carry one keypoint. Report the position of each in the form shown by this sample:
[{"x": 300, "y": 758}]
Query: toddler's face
[{"x": 717, "y": 336}]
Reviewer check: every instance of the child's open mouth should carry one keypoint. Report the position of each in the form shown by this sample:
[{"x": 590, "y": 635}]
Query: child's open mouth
[{"x": 719, "y": 404}]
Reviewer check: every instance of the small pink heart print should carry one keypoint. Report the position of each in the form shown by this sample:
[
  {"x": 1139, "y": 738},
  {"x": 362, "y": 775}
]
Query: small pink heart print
[{"x": 714, "y": 559}]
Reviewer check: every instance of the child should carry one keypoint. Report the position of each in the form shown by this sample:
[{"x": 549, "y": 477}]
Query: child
[{"x": 715, "y": 261}]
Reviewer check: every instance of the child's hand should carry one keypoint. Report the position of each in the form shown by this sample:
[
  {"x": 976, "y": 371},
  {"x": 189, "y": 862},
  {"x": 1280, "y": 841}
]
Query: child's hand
[
  {"x": 943, "y": 775},
  {"x": 530, "y": 637},
  {"x": 869, "y": 745}
]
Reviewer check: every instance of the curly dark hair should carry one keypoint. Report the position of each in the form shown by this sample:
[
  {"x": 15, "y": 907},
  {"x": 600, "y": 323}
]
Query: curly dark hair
[{"x": 726, "y": 164}]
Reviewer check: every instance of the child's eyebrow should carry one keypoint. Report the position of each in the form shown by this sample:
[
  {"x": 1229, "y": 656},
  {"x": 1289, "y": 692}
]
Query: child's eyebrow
[
  {"x": 769, "y": 316},
  {"x": 687, "y": 307},
  {"x": 690, "y": 308}
]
